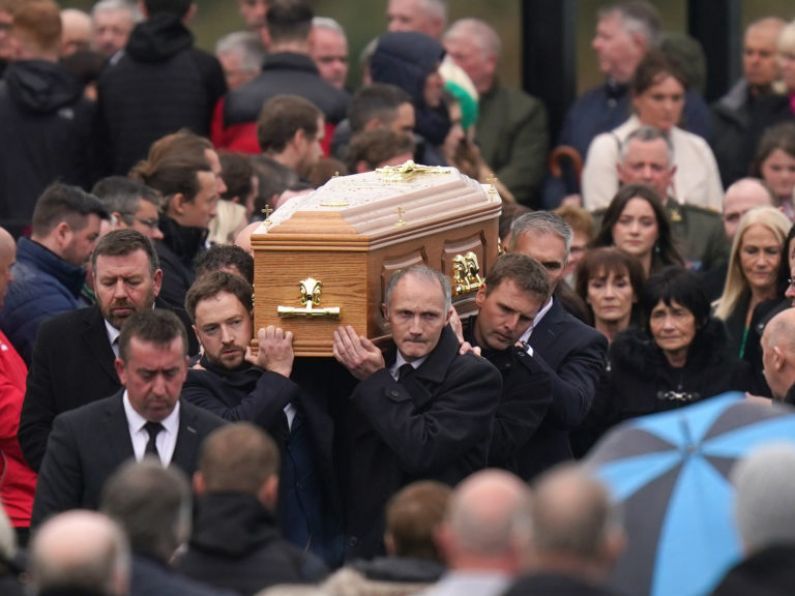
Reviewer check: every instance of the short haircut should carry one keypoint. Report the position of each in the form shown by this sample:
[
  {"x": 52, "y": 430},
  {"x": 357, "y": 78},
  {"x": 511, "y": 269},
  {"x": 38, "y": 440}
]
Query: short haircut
[
  {"x": 215, "y": 283},
  {"x": 238, "y": 458},
  {"x": 786, "y": 39},
  {"x": 289, "y": 20},
  {"x": 424, "y": 272},
  {"x": 116, "y": 5},
  {"x": 220, "y": 256},
  {"x": 648, "y": 134},
  {"x": 328, "y": 23},
  {"x": 237, "y": 171},
  {"x": 603, "y": 261},
  {"x": 374, "y": 147},
  {"x": 122, "y": 195},
  {"x": 652, "y": 67},
  {"x": 120, "y": 243},
  {"x": 62, "y": 202},
  {"x": 528, "y": 275},
  {"x": 541, "y": 222},
  {"x": 379, "y": 100},
  {"x": 247, "y": 45},
  {"x": 478, "y": 31},
  {"x": 173, "y": 164},
  {"x": 178, "y": 8},
  {"x": 152, "y": 504},
  {"x": 437, "y": 8},
  {"x": 781, "y": 136},
  {"x": 412, "y": 516},
  {"x": 159, "y": 327},
  {"x": 39, "y": 23},
  {"x": 675, "y": 284},
  {"x": 764, "y": 503},
  {"x": 579, "y": 219},
  {"x": 638, "y": 17},
  {"x": 281, "y": 117}
]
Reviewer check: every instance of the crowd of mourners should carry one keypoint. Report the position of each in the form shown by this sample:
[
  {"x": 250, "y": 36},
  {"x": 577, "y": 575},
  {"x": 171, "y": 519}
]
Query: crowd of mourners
[{"x": 146, "y": 447}]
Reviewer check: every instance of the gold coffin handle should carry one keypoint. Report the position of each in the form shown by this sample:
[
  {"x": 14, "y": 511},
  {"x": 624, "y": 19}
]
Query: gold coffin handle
[
  {"x": 310, "y": 289},
  {"x": 466, "y": 274}
]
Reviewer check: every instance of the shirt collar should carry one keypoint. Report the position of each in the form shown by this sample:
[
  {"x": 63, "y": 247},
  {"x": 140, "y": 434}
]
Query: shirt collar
[
  {"x": 541, "y": 313},
  {"x": 136, "y": 422}
]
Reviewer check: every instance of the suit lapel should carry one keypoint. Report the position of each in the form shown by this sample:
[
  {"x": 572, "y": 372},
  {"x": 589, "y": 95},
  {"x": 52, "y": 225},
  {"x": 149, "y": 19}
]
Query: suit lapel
[
  {"x": 188, "y": 439},
  {"x": 95, "y": 338},
  {"x": 544, "y": 334},
  {"x": 116, "y": 431}
]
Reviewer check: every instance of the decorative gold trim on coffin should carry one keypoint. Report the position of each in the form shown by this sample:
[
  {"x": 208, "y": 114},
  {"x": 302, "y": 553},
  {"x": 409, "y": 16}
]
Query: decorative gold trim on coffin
[
  {"x": 466, "y": 274},
  {"x": 311, "y": 290}
]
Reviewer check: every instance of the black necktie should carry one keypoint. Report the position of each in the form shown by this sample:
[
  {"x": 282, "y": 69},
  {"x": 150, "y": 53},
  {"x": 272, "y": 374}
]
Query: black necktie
[
  {"x": 152, "y": 429},
  {"x": 404, "y": 371}
]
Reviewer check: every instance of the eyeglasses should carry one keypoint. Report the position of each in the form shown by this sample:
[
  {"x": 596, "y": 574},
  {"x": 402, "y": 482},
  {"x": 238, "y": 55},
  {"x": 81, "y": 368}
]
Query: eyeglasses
[{"x": 149, "y": 223}]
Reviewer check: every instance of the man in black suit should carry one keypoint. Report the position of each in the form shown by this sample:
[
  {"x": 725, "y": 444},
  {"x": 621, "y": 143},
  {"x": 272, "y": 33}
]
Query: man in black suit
[
  {"x": 571, "y": 352},
  {"x": 146, "y": 418},
  {"x": 425, "y": 415},
  {"x": 73, "y": 356},
  {"x": 514, "y": 291}
]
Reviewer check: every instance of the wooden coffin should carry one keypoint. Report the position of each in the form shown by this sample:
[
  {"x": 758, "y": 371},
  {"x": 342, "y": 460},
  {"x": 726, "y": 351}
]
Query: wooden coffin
[{"x": 324, "y": 260}]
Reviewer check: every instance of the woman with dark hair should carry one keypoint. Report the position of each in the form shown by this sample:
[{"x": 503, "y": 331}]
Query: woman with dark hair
[
  {"x": 680, "y": 356},
  {"x": 610, "y": 282},
  {"x": 775, "y": 165},
  {"x": 635, "y": 222},
  {"x": 658, "y": 92}
]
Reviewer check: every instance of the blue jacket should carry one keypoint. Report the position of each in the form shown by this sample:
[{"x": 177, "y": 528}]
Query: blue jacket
[{"x": 43, "y": 285}]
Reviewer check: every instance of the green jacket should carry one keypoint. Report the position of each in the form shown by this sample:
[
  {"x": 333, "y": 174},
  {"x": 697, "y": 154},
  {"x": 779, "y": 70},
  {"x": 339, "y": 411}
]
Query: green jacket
[{"x": 513, "y": 139}]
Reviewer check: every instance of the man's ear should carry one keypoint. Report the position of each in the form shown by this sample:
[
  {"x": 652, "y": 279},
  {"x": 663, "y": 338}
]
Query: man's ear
[
  {"x": 157, "y": 282},
  {"x": 449, "y": 314},
  {"x": 63, "y": 234},
  {"x": 177, "y": 203},
  {"x": 199, "y": 486},
  {"x": 118, "y": 364},
  {"x": 269, "y": 492},
  {"x": 480, "y": 297},
  {"x": 384, "y": 310},
  {"x": 778, "y": 358}
]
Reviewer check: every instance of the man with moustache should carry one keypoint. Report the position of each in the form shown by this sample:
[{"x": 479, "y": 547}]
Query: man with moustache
[{"x": 73, "y": 358}]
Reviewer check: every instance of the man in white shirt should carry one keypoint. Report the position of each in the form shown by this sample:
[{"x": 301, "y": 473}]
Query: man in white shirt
[{"x": 145, "y": 418}]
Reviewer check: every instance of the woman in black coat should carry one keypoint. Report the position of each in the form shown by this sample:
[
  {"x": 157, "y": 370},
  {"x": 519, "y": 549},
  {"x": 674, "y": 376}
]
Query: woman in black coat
[{"x": 680, "y": 356}]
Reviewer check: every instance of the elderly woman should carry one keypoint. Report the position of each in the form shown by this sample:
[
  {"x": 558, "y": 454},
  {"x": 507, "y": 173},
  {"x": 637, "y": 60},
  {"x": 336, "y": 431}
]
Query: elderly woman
[
  {"x": 678, "y": 357},
  {"x": 610, "y": 282},
  {"x": 658, "y": 91},
  {"x": 753, "y": 272},
  {"x": 635, "y": 222}
]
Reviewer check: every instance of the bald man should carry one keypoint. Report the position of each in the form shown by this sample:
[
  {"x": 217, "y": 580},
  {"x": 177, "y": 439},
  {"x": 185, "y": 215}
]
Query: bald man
[
  {"x": 76, "y": 31},
  {"x": 485, "y": 535},
  {"x": 778, "y": 355},
  {"x": 80, "y": 552},
  {"x": 576, "y": 538},
  {"x": 17, "y": 496},
  {"x": 750, "y": 106}
]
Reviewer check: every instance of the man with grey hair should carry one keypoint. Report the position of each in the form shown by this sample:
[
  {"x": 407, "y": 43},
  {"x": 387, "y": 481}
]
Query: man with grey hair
[
  {"x": 328, "y": 47},
  {"x": 625, "y": 31},
  {"x": 241, "y": 55},
  {"x": 424, "y": 16},
  {"x": 764, "y": 509},
  {"x": 130, "y": 204},
  {"x": 112, "y": 21},
  {"x": 512, "y": 125},
  {"x": 485, "y": 536},
  {"x": 153, "y": 506},
  {"x": 423, "y": 412},
  {"x": 751, "y": 104},
  {"x": 647, "y": 158},
  {"x": 576, "y": 539},
  {"x": 571, "y": 352},
  {"x": 80, "y": 552}
]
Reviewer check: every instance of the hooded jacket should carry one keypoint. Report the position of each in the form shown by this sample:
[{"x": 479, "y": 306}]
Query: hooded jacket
[
  {"x": 157, "y": 85},
  {"x": 405, "y": 59},
  {"x": 236, "y": 545},
  {"x": 47, "y": 125}
]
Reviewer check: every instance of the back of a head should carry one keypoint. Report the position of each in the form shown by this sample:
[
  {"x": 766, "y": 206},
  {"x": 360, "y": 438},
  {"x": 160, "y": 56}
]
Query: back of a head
[
  {"x": 375, "y": 147},
  {"x": 177, "y": 8},
  {"x": 572, "y": 516},
  {"x": 765, "y": 499},
  {"x": 281, "y": 117},
  {"x": 173, "y": 163},
  {"x": 61, "y": 202},
  {"x": 37, "y": 25},
  {"x": 246, "y": 44},
  {"x": 237, "y": 172},
  {"x": 489, "y": 517},
  {"x": 152, "y": 504},
  {"x": 238, "y": 458},
  {"x": 80, "y": 552},
  {"x": 379, "y": 100},
  {"x": 289, "y": 20},
  {"x": 412, "y": 517}
]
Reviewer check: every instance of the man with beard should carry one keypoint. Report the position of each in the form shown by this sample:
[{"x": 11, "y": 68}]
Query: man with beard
[
  {"x": 273, "y": 391},
  {"x": 74, "y": 353}
]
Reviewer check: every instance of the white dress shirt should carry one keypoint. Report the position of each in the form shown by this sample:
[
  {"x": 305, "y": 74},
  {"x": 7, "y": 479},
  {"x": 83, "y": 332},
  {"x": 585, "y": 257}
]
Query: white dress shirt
[
  {"x": 536, "y": 320},
  {"x": 113, "y": 337},
  {"x": 166, "y": 440}
]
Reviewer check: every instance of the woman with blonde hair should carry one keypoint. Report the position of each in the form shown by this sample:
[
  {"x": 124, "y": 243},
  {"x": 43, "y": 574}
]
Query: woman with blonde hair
[{"x": 753, "y": 270}]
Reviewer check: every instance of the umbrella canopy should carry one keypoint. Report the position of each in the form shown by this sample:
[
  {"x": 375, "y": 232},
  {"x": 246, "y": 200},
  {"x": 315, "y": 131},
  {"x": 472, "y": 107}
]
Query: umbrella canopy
[{"x": 670, "y": 472}]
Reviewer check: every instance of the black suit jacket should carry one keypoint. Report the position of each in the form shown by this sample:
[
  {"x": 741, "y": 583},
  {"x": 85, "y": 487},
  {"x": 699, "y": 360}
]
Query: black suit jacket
[
  {"x": 574, "y": 355},
  {"x": 435, "y": 424},
  {"x": 88, "y": 444},
  {"x": 72, "y": 366}
]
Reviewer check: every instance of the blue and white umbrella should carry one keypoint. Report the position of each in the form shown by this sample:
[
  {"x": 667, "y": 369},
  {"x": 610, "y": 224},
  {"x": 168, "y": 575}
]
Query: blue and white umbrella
[{"x": 670, "y": 472}]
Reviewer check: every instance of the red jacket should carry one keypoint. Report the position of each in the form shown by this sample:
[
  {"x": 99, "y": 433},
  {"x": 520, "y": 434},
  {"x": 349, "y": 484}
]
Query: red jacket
[{"x": 17, "y": 480}]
